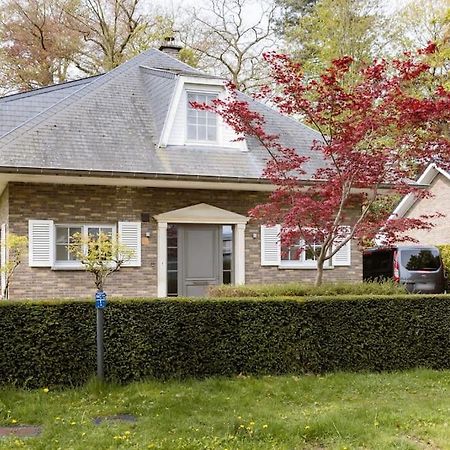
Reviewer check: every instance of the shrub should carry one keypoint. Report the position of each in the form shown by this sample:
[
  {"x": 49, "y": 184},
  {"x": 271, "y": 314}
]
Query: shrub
[
  {"x": 445, "y": 253},
  {"x": 53, "y": 343},
  {"x": 307, "y": 289}
]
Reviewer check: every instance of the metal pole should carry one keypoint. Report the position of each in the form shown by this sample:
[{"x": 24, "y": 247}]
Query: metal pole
[{"x": 100, "y": 347}]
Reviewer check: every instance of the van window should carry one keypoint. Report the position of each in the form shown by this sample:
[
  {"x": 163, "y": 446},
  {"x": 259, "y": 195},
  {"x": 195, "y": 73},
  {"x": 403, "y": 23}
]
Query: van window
[
  {"x": 377, "y": 265},
  {"x": 420, "y": 259}
]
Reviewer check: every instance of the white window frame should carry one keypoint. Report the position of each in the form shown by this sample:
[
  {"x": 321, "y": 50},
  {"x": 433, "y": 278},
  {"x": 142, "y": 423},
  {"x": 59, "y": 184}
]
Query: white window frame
[
  {"x": 206, "y": 142},
  {"x": 302, "y": 263},
  {"x": 77, "y": 265}
]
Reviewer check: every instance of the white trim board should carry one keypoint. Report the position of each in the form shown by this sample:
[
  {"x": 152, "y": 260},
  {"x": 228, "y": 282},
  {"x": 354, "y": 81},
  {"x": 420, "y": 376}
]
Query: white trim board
[{"x": 427, "y": 177}]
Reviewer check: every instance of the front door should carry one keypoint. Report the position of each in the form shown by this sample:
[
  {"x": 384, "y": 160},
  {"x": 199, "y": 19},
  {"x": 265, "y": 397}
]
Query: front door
[{"x": 201, "y": 259}]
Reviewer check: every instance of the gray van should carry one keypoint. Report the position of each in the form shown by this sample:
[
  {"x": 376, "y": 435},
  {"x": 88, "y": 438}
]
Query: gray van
[{"x": 418, "y": 267}]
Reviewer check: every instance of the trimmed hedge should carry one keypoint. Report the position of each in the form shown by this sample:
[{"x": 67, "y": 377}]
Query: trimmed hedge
[
  {"x": 308, "y": 289},
  {"x": 53, "y": 343}
]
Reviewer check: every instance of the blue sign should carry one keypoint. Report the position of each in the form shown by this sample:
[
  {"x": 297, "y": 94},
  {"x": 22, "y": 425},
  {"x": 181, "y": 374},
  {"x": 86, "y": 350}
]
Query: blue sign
[{"x": 100, "y": 299}]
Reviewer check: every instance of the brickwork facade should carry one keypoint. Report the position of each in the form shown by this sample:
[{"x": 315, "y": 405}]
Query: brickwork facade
[{"x": 81, "y": 204}]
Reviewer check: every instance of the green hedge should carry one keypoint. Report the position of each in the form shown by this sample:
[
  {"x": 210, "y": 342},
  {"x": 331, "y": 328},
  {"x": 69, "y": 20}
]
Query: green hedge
[
  {"x": 46, "y": 344},
  {"x": 308, "y": 289}
]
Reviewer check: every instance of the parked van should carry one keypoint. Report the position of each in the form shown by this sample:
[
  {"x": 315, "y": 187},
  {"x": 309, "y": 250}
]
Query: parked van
[{"x": 419, "y": 268}]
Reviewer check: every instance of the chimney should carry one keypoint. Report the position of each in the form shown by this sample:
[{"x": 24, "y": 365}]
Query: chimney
[{"x": 170, "y": 47}]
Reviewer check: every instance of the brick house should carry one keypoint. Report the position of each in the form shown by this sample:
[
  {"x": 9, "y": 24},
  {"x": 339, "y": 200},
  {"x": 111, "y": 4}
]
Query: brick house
[
  {"x": 437, "y": 181},
  {"x": 124, "y": 153}
]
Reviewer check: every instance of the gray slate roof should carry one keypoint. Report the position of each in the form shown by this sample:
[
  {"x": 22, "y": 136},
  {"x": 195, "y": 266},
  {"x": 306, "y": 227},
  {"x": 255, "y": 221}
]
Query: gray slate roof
[{"x": 111, "y": 123}]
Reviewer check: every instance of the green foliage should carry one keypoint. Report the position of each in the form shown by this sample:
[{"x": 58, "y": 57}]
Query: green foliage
[
  {"x": 445, "y": 254},
  {"x": 53, "y": 343},
  {"x": 16, "y": 247},
  {"x": 330, "y": 29},
  {"x": 100, "y": 255},
  {"x": 307, "y": 289}
]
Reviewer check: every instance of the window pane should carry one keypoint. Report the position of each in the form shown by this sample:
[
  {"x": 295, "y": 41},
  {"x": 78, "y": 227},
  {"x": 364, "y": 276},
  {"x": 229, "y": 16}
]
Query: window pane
[
  {"x": 211, "y": 133},
  {"x": 201, "y": 125},
  {"x": 107, "y": 230},
  {"x": 172, "y": 266},
  {"x": 420, "y": 259},
  {"x": 192, "y": 132},
  {"x": 226, "y": 262},
  {"x": 61, "y": 253},
  {"x": 61, "y": 235},
  {"x": 172, "y": 286},
  {"x": 93, "y": 232},
  {"x": 172, "y": 254},
  {"x": 227, "y": 278},
  {"x": 201, "y": 133}
]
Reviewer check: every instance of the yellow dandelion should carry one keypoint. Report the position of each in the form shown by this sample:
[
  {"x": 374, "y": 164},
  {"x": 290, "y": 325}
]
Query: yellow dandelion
[
  {"x": 13, "y": 421},
  {"x": 265, "y": 425},
  {"x": 45, "y": 390}
]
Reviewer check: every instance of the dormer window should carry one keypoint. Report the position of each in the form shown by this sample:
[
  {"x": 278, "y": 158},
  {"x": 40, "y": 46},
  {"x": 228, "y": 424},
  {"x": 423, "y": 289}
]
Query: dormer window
[{"x": 201, "y": 125}]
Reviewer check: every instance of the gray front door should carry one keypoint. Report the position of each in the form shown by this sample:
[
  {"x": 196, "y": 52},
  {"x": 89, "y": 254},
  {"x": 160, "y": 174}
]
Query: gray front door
[{"x": 200, "y": 257}]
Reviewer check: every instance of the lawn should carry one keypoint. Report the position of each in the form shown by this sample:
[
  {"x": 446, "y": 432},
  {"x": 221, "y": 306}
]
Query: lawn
[{"x": 408, "y": 410}]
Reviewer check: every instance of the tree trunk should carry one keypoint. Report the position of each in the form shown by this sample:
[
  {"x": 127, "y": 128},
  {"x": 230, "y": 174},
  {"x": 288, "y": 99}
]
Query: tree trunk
[{"x": 319, "y": 272}]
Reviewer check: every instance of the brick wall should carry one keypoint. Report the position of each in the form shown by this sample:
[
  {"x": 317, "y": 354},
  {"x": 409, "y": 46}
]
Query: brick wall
[{"x": 105, "y": 204}]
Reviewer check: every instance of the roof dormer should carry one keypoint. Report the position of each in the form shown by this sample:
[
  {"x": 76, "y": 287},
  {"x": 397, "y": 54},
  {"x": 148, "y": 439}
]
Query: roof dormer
[{"x": 185, "y": 125}]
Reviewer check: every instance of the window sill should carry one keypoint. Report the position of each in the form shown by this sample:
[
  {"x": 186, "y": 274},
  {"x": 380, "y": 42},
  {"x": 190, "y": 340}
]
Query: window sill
[
  {"x": 68, "y": 267},
  {"x": 302, "y": 267}
]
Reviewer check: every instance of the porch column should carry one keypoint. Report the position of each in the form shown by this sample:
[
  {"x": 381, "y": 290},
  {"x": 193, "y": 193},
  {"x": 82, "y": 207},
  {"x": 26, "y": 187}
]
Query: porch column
[
  {"x": 239, "y": 254},
  {"x": 162, "y": 259}
]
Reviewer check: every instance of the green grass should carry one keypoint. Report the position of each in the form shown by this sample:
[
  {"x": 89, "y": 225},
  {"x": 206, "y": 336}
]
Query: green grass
[
  {"x": 307, "y": 289},
  {"x": 408, "y": 410}
]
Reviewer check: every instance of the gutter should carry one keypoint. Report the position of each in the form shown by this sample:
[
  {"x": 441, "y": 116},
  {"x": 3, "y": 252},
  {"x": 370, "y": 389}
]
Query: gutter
[{"x": 156, "y": 176}]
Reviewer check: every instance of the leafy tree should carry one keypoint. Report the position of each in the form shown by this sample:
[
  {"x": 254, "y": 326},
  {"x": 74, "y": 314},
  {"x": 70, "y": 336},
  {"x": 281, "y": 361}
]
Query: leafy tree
[
  {"x": 331, "y": 29},
  {"x": 420, "y": 22},
  {"x": 100, "y": 255},
  {"x": 372, "y": 135},
  {"x": 36, "y": 48},
  {"x": 292, "y": 11},
  {"x": 229, "y": 36},
  {"x": 16, "y": 247}
]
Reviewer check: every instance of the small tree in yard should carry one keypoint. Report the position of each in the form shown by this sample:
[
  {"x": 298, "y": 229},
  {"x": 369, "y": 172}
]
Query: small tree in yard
[
  {"x": 16, "y": 247},
  {"x": 101, "y": 255},
  {"x": 373, "y": 138}
]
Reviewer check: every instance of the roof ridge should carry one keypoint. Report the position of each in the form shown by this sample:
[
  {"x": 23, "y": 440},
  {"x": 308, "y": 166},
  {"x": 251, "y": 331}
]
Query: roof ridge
[
  {"x": 159, "y": 72},
  {"x": 45, "y": 89}
]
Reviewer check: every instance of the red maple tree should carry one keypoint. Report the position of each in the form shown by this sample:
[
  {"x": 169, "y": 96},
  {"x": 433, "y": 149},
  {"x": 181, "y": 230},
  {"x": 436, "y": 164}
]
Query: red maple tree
[{"x": 374, "y": 136}]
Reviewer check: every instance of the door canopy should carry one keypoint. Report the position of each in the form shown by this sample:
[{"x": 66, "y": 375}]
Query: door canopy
[{"x": 201, "y": 213}]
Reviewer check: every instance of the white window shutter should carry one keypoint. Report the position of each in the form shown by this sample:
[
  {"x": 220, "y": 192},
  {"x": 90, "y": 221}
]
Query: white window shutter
[
  {"x": 40, "y": 243},
  {"x": 270, "y": 245},
  {"x": 130, "y": 237},
  {"x": 344, "y": 255}
]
